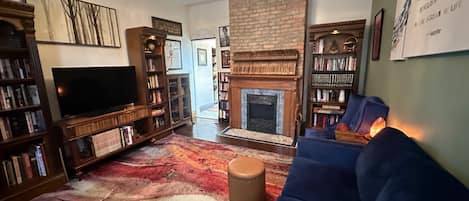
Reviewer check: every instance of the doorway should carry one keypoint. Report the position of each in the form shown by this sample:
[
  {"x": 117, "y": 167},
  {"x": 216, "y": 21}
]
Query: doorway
[{"x": 205, "y": 78}]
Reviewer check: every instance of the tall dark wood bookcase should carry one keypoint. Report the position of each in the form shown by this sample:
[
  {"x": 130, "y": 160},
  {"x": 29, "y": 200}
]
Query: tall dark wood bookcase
[
  {"x": 145, "y": 47},
  {"x": 21, "y": 73},
  {"x": 223, "y": 96},
  {"x": 180, "y": 99},
  {"x": 335, "y": 69}
]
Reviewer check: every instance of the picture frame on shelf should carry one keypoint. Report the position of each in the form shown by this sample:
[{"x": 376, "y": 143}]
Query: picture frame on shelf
[
  {"x": 377, "y": 32},
  {"x": 167, "y": 26},
  {"x": 89, "y": 30},
  {"x": 201, "y": 57},
  {"x": 173, "y": 54},
  {"x": 225, "y": 59},
  {"x": 224, "y": 34}
]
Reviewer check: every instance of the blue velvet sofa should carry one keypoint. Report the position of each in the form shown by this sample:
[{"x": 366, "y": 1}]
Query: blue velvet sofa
[{"x": 392, "y": 167}]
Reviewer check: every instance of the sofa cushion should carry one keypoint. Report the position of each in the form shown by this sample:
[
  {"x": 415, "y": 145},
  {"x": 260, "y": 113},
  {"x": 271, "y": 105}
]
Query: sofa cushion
[
  {"x": 382, "y": 157},
  {"x": 422, "y": 180},
  {"x": 311, "y": 180}
]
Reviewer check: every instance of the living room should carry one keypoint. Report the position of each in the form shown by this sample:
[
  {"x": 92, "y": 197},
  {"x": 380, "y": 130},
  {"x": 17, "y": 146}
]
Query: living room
[{"x": 305, "y": 97}]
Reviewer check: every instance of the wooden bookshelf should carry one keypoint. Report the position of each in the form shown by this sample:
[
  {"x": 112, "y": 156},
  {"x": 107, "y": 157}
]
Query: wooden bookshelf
[
  {"x": 335, "y": 70},
  {"x": 223, "y": 96},
  {"x": 25, "y": 119},
  {"x": 146, "y": 52},
  {"x": 180, "y": 99}
]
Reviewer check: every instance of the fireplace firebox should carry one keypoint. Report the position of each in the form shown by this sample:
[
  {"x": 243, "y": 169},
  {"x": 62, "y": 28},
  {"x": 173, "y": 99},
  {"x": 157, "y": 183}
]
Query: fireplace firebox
[{"x": 262, "y": 113}]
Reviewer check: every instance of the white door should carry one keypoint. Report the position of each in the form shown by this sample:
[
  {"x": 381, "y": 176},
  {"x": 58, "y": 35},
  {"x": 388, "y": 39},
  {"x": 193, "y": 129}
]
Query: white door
[{"x": 203, "y": 74}]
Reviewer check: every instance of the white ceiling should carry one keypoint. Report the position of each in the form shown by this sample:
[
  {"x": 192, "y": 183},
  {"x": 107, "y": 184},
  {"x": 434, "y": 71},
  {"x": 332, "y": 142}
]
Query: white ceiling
[{"x": 193, "y": 2}]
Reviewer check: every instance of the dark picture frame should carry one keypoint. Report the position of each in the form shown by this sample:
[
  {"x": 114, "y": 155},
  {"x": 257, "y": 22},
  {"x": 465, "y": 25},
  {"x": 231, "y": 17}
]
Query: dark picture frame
[
  {"x": 201, "y": 57},
  {"x": 377, "y": 33},
  {"x": 224, "y": 36},
  {"x": 98, "y": 27},
  {"x": 167, "y": 26},
  {"x": 173, "y": 54},
  {"x": 225, "y": 59}
]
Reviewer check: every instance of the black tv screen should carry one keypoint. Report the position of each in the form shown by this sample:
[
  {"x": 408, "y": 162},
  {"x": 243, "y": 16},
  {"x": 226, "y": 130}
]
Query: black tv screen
[{"x": 94, "y": 90}]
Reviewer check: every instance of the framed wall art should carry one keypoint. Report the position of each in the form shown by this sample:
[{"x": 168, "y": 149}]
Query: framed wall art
[
  {"x": 167, "y": 26},
  {"x": 75, "y": 22},
  {"x": 173, "y": 55},
  {"x": 225, "y": 59},
  {"x": 377, "y": 32},
  {"x": 201, "y": 57},
  {"x": 224, "y": 33}
]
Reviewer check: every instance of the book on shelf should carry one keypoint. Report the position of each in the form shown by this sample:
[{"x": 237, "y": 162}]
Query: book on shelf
[
  {"x": 321, "y": 110},
  {"x": 106, "y": 142},
  {"x": 18, "y": 96},
  {"x": 318, "y": 46},
  {"x": 159, "y": 122},
  {"x": 18, "y": 124},
  {"x": 126, "y": 135},
  {"x": 155, "y": 97},
  {"x": 14, "y": 68},
  {"x": 329, "y": 95},
  {"x": 19, "y": 168},
  {"x": 158, "y": 112},
  {"x": 332, "y": 80},
  {"x": 335, "y": 63},
  {"x": 325, "y": 120},
  {"x": 153, "y": 81}
]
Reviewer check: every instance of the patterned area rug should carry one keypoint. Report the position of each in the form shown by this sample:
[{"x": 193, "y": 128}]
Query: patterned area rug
[
  {"x": 175, "y": 168},
  {"x": 258, "y": 136}
]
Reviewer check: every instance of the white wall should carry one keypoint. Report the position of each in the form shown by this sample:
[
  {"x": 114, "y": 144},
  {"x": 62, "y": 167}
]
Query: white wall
[
  {"x": 203, "y": 76},
  {"x": 204, "y": 20},
  {"x": 130, "y": 14}
]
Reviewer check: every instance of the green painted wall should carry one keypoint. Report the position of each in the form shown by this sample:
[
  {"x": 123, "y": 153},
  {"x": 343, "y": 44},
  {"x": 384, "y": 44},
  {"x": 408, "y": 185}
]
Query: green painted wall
[{"x": 428, "y": 97}]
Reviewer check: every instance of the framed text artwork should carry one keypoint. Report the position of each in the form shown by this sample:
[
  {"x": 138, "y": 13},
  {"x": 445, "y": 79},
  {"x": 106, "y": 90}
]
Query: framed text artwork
[
  {"x": 173, "y": 55},
  {"x": 201, "y": 57},
  {"x": 377, "y": 32},
  {"x": 75, "y": 22},
  {"x": 224, "y": 33},
  {"x": 225, "y": 59},
  {"x": 167, "y": 26}
]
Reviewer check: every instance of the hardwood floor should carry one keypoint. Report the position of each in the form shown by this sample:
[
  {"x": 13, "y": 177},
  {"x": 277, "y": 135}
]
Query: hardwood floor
[{"x": 208, "y": 129}]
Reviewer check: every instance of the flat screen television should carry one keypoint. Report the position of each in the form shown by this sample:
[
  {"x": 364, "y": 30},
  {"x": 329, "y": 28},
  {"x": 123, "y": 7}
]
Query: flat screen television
[{"x": 88, "y": 91}]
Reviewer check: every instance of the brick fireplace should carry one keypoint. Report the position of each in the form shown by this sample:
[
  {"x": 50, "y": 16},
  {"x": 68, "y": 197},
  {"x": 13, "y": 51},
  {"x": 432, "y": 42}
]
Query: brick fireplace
[{"x": 264, "y": 91}]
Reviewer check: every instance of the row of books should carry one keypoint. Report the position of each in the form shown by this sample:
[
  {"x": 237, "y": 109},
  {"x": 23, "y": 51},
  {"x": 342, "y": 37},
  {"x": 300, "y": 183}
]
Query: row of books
[
  {"x": 325, "y": 120},
  {"x": 155, "y": 97},
  {"x": 153, "y": 65},
  {"x": 224, "y": 86},
  {"x": 224, "y": 105},
  {"x": 326, "y": 95},
  {"x": 343, "y": 63},
  {"x": 318, "y": 46},
  {"x": 224, "y": 77},
  {"x": 18, "y": 96},
  {"x": 14, "y": 68},
  {"x": 332, "y": 80},
  {"x": 224, "y": 114},
  {"x": 19, "y": 124},
  {"x": 153, "y": 81},
  {"x": 223, "y": 95},
  {"x": 24, "y": 166},
  {"x": 158, "y": 122}
]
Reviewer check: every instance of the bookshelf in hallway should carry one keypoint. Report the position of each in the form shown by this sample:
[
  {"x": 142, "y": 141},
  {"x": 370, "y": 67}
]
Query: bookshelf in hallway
[
  {"x": 223, "y": 96},
  {"x": 335, "y": 69},
  {"x": 180, "y": 99},
  {"x": 29, "y": 159},
  {"x": 145, "y": 47}
]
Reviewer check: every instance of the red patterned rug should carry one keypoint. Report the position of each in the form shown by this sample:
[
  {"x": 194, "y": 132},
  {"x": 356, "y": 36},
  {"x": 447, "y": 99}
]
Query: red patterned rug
[{"x": 175, "y": 168}]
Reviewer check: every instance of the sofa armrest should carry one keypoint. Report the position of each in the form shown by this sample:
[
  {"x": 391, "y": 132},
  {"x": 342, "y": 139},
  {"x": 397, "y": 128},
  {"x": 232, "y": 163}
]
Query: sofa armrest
[{"x": 331, "y": 152}]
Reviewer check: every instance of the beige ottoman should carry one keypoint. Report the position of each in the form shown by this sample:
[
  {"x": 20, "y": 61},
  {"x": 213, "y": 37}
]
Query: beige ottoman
[{"x": 246, "y": 179}]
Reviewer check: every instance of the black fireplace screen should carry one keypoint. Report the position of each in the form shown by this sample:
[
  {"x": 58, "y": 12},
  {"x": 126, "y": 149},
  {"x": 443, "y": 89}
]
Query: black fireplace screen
[{"x": 262, "y": 113}]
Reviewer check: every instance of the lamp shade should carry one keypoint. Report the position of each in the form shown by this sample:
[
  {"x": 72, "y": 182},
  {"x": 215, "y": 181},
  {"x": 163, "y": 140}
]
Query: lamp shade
[{"x": 377, "y": 126}]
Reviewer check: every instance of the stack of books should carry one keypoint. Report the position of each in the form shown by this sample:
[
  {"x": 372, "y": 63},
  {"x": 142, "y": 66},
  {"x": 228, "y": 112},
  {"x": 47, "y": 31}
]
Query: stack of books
[
  {"x": 343, "y": 63},
  {"x": 332, "y": 80},
  {"x": 15, "y": 68},
  {"x": 18, "y": 96}
]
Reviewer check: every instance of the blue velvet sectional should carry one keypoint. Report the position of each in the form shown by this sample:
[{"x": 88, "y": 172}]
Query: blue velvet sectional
[{"x": 392, "y": 167}]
